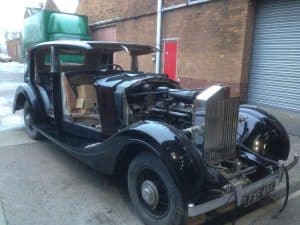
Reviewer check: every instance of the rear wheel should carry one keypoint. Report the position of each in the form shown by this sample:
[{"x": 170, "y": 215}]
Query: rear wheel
[
  {"x": 153, "y": 192},
  {"x": 28, "y": 121}
]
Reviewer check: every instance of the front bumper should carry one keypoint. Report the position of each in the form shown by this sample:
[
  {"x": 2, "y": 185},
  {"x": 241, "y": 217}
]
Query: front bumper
[{"x": 239, "y": 192}]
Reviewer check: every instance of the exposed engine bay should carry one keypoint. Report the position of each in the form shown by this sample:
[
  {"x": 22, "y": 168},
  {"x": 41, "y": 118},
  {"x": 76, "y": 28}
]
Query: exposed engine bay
[
  {"x": 185, "y": 110},
  {"x": 161, "y": 103}
]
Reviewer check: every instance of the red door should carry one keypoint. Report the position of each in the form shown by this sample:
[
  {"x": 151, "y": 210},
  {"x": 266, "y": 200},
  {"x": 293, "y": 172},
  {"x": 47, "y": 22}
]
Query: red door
[{"x": 170, "y": 52}]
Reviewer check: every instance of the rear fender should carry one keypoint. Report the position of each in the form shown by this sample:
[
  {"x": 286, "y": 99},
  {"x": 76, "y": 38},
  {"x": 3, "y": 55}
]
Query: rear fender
[
  {"x": 26, "y": 93},
  {"x": 263, "y": 133}
]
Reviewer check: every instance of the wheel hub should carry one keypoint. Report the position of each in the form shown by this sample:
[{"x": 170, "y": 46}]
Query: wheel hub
[
  {"x": 150, "y": 193},
  {"x": 28, "y": 119}
]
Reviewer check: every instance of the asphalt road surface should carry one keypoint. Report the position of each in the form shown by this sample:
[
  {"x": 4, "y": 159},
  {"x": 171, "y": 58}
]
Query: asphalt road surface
[{"x": 42, "y": 185}]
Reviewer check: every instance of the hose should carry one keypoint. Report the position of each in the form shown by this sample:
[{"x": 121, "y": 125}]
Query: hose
[
  {"x": 287, "y": 179},
  {"x": 287, "y": 191}
]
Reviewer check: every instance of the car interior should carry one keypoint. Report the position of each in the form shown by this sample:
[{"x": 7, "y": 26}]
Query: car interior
[
  {"x": 80, "y": 100},
  {"x": 78, "y": 72},
  {"x": 79, "y": 93}
]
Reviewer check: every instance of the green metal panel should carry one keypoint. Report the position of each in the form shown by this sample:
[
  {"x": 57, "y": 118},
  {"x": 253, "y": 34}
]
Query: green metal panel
[
  {"x": 34, "y": 30},
  {"x": 47, "y": 25},
  {"x": 71, "y": 59},
  {"x": 54, "y": 37},
  {"x": 79, "y": 59},
  {"x": 67, "y": 24}
]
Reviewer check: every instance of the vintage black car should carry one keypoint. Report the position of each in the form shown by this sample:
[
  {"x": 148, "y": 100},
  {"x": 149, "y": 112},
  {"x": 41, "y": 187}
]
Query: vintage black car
[{"x": 182, "y": 152}]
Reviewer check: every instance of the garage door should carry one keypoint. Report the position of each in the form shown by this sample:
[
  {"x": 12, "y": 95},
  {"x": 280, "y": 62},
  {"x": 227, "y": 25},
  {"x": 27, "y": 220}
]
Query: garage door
[{"x": 274, "y": 78}]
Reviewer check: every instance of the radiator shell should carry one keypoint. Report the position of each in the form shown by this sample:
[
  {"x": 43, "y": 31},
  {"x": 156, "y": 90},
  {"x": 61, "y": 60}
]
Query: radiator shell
[{"x": 220, "y": 120}]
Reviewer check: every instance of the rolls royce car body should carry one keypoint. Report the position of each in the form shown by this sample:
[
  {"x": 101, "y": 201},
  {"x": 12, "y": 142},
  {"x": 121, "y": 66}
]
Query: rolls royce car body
[{"x": 182, "y": 152}]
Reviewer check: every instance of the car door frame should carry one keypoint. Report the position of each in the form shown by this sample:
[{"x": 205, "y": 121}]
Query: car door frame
[{"x": 42, "y": 102}]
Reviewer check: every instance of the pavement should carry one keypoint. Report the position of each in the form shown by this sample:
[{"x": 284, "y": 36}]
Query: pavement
[
  {"x": 41, "y": 185},
  {"x": 11, "y": 75}
]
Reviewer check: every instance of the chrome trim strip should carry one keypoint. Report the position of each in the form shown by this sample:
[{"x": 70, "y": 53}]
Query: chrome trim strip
[{"x": 211, "y": 205}]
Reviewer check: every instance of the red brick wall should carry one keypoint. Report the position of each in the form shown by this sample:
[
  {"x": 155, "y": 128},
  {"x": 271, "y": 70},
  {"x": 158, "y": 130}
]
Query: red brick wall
[
  {"x": 247, "y": 49},
  {"x": 168, "y": 3},
  {"x": 142, "y": 31},
  {"x": 105, "y": 34},
  {"x": 214, "y": 38},
  {"x": 211, "y": 42},
  {"x": 98, "y": 10}
]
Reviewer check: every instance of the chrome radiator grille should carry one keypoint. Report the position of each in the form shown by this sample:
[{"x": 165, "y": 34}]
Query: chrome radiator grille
[
  {"x": 220, "y": 130},
  {"x": 221, "y": 116}
]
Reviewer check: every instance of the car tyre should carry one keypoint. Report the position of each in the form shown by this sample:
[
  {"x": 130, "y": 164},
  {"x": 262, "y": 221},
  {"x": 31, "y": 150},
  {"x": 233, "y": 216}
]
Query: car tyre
[
  {"x": 153, "y": 193},
  {"x": 28, "y": 121}
]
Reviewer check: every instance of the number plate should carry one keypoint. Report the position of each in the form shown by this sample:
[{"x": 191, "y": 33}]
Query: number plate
[{"x": 259, "y": 194}]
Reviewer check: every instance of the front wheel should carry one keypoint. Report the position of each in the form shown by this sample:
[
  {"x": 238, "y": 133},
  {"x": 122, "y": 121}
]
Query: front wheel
[
  {"x": 28, "y": 121},
  {"x": 153, "y": 192}
]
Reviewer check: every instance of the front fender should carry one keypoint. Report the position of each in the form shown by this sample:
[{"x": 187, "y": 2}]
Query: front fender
[
  {"x": 263, "y": 133},
  {"x": 181, "y": 157}
]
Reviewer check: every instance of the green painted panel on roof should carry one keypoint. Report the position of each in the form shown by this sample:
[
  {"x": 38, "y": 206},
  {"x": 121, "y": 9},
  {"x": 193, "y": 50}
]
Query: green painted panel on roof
[
  {"x": 47, "y": 25},
  {"x": 68, "y": 24}
]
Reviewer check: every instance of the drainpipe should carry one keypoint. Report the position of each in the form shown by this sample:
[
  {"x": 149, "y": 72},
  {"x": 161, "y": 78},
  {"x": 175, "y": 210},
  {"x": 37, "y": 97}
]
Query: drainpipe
[{"x": 158, "y": 35}]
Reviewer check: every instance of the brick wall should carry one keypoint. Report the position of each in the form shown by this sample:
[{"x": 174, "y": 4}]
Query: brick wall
[
  {"x": 211, "y": 42},
  {"x": 142, "y": 31},
  {"x": 247, "y": 49},
  {"x": 105, "y": 34},
  {"x": 214, "y": 38},
  {"x": 98, "y": 10},
  {"x": 168, "y": 3}
]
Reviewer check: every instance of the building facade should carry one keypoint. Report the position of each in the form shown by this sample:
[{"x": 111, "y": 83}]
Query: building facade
[
  {"x": 204, "y": 42},
  {"x": 14, "y": 48}
]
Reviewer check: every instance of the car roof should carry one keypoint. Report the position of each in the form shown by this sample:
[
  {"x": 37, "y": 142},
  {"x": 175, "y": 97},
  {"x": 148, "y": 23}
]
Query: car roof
[{"x": 137, "y": 49}]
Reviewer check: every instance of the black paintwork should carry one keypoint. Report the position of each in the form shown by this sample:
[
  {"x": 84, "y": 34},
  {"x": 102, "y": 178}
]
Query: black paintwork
[
  {"x": 263, "y": 133},
  {"x": 188, "y": 169},
  {"x": 117, "y": 144},
  {"x": 111, "y": 92}
]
